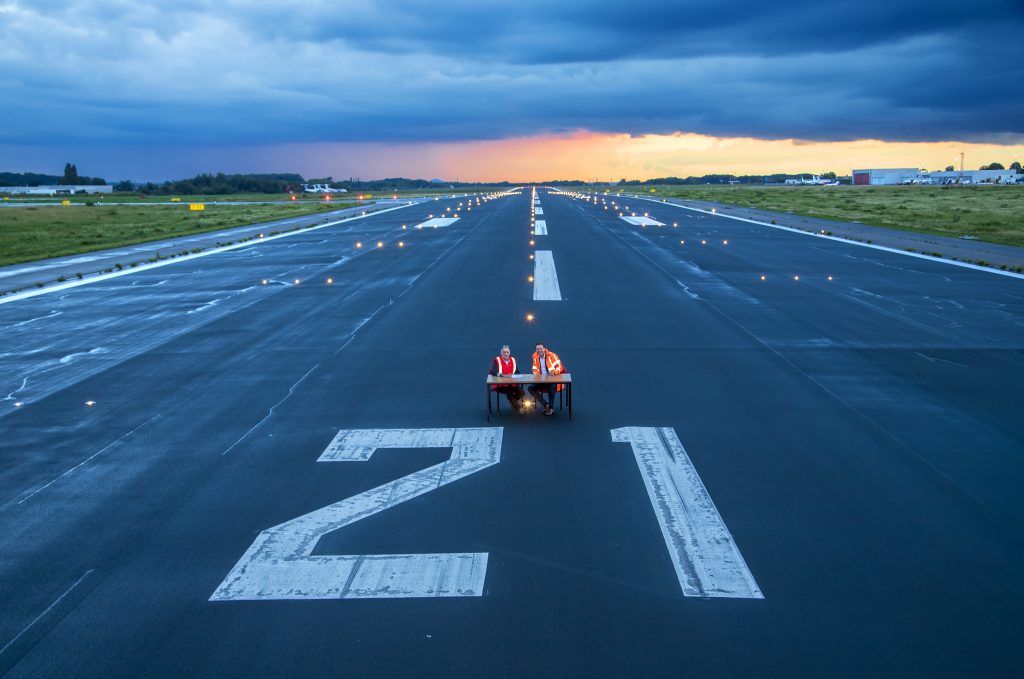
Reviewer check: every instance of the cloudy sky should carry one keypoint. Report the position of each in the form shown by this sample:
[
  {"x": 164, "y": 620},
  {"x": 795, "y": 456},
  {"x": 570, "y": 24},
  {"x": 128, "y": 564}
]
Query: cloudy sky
[{"x": 492, "y": 90}]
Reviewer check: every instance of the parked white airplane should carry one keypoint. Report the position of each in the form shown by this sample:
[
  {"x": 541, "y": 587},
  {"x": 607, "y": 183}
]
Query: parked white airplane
[
  {"x": 321, "y": 188},
  {"x": 815, "y": 180}
]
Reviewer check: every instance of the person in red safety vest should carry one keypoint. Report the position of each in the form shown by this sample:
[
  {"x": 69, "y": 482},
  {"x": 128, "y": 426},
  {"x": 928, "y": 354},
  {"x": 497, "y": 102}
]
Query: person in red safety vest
[
  {"x": 546, "y": 362},
  {"x": 504, "y": 365}
]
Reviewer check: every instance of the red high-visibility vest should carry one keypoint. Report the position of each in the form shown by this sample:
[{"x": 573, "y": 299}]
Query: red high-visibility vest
[{"x": 505, "y": 367}]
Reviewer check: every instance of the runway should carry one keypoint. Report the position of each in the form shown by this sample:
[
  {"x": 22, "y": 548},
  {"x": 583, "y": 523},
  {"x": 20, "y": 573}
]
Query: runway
[{"x": 788, "y": 456}]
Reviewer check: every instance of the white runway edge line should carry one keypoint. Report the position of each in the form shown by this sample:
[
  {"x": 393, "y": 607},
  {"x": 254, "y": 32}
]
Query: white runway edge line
[
  {"x": 707, "y": 561},
  {"x": 941, "y": 260},
  {"x": 545, "y": 278},
  {"x": 280, "y": 564},
  {"x": 183, "y": 258},
  {"x": 540, "y": 228}
]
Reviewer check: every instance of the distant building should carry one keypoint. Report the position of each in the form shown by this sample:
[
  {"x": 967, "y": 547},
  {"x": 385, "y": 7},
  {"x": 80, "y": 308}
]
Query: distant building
[
  {"x": 912, "y": 175},
  {"x": 57, "y": 189},
  {"x": 884, "y": 177}
]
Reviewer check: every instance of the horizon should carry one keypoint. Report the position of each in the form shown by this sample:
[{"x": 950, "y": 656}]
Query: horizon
[{"x": 397, "y": 89}]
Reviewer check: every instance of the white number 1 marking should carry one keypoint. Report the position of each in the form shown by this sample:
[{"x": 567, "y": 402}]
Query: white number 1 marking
[
  {"x": 707, "y": 561},
  {"x": 280, "y": 563}
]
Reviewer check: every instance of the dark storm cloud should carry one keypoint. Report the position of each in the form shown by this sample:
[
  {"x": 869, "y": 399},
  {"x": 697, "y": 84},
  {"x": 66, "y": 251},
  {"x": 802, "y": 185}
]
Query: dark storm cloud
[{"x": 267, "y": 72}]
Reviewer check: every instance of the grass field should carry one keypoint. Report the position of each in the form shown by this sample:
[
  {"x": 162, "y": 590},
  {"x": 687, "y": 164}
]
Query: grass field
[
  {"x": 31, "y": 233},
  {"x": 989, "y": 213},
  {"x": 235, "y": 197}
]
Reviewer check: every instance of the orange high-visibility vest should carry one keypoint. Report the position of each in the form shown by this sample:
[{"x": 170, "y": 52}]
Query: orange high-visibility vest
[{"x": 553, "y": 364}]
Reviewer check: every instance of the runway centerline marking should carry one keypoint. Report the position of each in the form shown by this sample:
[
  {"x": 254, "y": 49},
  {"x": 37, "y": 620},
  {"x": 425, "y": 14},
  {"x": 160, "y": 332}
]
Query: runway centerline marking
[
  {"x": 280, "y": 563},
  {"x": 707, "y": 561},
  {"x": 540, "y": 228},
  {"x": 545, "y": 278},
  {"x": 538, "y": 210}
]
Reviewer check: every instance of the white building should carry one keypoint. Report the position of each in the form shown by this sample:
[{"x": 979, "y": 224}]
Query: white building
[
  {"x": 57, "y": 189},
  {"x": 911, "y": 175}
]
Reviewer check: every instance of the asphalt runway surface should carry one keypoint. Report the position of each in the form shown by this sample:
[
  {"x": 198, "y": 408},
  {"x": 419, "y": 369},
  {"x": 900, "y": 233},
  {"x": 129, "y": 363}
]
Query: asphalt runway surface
[{"x": 798, "y": 475}]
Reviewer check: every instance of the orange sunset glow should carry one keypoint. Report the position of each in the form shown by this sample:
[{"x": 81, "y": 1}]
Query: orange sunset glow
[{"x": 607, "y": 157}]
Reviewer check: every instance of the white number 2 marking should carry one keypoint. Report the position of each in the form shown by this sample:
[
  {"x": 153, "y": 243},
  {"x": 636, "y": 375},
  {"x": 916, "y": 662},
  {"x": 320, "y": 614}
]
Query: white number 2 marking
[{"x": 280, "y": 563}]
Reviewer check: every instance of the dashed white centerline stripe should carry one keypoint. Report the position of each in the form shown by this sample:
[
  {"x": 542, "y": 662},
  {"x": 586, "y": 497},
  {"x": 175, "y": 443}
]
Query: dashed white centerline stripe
[
  {"x": 540, "y": 228},
  {"x": 545, "y": 278}
]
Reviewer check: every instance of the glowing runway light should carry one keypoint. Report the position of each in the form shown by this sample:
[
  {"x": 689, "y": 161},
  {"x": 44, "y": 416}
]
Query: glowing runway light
[
  {"x": 725, "y": 242},
  {"x": 90, "y": 404},
  {"x": 529, "y": 278},
  {"x": 359, "y": 244},
  {"x": 703, "y": 242},
  {"x": 530, "y": 317},
  {"x": 796, "y": 278},
  {"x": 18, "y": 404},
  {"x": 762, "y": 277},
  {"x": 261, "y": 235},
  {"x": 531, "y": 242},
  {"x": 401, "y": 243},
  {"x": 297, "y": 281},
  {"x": 531, "y": 256},
  {"x": 330, "y": 280},
  {"x": 264, "y": 281},
  {"x": 380, "y": 244},
  {"x": 830, "y": 278}
]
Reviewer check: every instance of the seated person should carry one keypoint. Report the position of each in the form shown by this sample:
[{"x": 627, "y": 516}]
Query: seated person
[
  {"x": 504, "y": 365},
  {"x": 546, "y": 362}
]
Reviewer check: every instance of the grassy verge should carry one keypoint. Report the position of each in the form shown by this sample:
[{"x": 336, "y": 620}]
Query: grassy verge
[
  {"x": 990, "y": 213},
  {"x": 31, "y": 233}
]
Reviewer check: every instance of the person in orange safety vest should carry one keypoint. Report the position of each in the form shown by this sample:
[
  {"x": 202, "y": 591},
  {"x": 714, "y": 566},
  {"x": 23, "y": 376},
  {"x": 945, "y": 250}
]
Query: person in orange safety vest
[
  {"x": 546, "y": 362},
  {"x": 504, "y": 365}
]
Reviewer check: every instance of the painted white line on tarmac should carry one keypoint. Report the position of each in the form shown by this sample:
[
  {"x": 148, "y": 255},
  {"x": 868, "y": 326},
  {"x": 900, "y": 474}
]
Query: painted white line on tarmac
[
  {"x": 540, "y": 228},
  {"x": 643, "y": 221},
  {"x": 941, "y": 260},
  {"x": 183, "y": 258},
  {"x": 280, "y": 563},
  {"x": 707, "y": 561},
  {"x": 48, "y": 609},
  {"x": 545, "y": 278},
  {"x": 437, "y": 222},
  {"x": 538, "y": 210}
]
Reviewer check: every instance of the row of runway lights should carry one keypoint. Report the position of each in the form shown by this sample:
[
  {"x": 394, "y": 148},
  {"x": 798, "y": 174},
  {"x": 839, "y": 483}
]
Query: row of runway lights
[
  {"x": 380, "y": 243},
  {"x": 330, "y": 279},
  {"x": 622, "y": 208}
]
